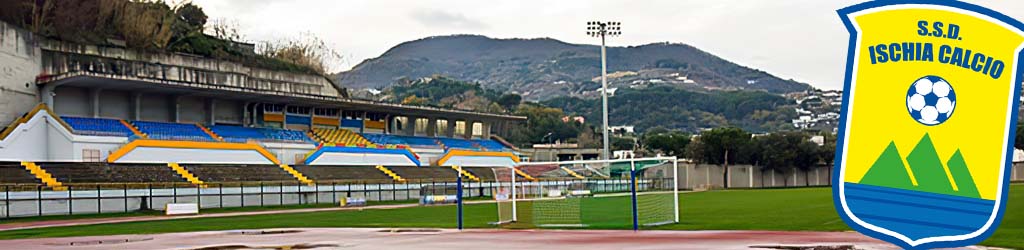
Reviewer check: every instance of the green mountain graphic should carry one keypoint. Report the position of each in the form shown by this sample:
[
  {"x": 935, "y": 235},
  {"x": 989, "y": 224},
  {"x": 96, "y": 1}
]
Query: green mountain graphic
[{"x": 925, "y": 168}]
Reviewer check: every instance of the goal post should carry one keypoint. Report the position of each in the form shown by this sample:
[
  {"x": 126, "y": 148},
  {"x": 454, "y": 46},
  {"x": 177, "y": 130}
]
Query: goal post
[
  {"x": 586, "y": 193},
  {"x": 503, "y": 190}
]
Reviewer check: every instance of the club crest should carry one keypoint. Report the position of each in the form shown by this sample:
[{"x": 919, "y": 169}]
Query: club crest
[{"x": 928, "y": 118}]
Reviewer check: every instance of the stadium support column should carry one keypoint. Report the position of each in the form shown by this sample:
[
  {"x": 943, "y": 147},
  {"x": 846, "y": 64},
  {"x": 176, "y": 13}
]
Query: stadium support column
[
  {"x": 94, "y": 101},
  {"x": 175, "y": 108},
  {"x": 246, "y": 116},
  {"x": 284, "y": 120},
  {"x": 410, "y": 126},
  {"x": 486, "y": 133},
  {"x": 211, "y": 111},
  {"x": 431, "y": 127},
  {"x": 450, "y": 133},
  {"x": 47, "y": 93},
  {"x": 137, "y": 106}
]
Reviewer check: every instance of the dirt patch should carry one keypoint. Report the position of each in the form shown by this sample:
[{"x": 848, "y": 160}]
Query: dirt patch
[
  {"x": 101, "y": 242},
  {"x": 836, "y": 247},
  {"x": 264, "y": 232},
  {"x": 284, "y": 247},
  {"x": 409, "y": 231}
]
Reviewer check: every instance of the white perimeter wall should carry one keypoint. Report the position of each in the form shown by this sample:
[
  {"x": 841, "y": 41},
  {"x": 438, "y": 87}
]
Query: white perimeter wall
[
  {"x": 479, "y": 161},
  {"x": 290, "y": 153},
  {"x": 362, "y": 159},
  {"x": 193, "y": 156},
  {"x": 42, "y": 138},
  {"x": 28, "y": 141}
]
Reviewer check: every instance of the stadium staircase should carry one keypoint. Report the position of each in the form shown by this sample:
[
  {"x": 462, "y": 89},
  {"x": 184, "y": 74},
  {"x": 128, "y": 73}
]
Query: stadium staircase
[
  {"x": 573, "y": 173},
  {"x": 185, "y": 174},
  {"x": 134, "y": 129},
  {"x": 524, "y": 175},
  {"x": 341, "y": 137},
  {"x": 295, "y": 173},
  {"x": 210, "y": 132},
  {"x": 465, "y": 173},
  {"x": 43, "y": 176},
  {"x": 390, "y": 173}
]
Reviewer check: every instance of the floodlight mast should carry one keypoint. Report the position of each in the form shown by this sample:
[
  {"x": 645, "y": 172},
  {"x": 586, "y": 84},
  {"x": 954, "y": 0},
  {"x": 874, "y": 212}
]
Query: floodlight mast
[{"x": 602, "y": 30}]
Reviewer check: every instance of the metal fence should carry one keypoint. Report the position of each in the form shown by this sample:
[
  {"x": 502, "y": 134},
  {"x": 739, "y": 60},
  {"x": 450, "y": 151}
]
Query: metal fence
[{"x": 39, "y": 200}]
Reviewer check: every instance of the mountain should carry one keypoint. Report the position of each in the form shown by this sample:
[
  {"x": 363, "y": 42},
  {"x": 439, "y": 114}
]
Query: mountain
[
  {"x": 926, "y": 172},
  {"x": 543, "y": 68}
]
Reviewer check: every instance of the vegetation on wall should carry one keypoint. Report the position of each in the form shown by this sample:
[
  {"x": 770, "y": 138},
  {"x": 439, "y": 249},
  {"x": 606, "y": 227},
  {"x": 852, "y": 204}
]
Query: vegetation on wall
[{"x": 156, "y": 26}]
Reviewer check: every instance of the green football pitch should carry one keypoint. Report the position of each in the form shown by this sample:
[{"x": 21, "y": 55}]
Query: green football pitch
[{"x": 797, "y": 209}]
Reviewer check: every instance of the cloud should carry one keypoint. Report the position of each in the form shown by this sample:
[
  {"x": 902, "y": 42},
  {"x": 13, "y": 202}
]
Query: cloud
[{"x": 442, "y": 19}]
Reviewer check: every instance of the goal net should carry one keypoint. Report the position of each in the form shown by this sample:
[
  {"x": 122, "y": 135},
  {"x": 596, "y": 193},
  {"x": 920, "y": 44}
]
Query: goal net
[
  {"x": 504, "y": 192},
  {"x": 603, "y": 193}
]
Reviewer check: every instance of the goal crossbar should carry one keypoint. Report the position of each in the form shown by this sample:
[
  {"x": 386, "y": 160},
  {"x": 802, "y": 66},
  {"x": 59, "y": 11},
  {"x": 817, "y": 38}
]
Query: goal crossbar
[{"x": 633, "y": 180}]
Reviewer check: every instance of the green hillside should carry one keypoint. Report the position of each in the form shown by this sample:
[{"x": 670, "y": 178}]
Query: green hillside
[
  {"x": 927, "y": 169},
  {"x": 544, "y": 68}
]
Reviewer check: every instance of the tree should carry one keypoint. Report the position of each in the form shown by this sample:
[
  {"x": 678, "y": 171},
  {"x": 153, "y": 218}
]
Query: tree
[
  {"x": 778, "y": 153},
  {"x": 695, "y": 151},
  {"x": 540, "y": 121},
  {"x": 1019, "y": 141},
  {"x": 753, "y": 153},
  {"x": 666, "y": 142},
  {"x": 827, "y": 152},
  {"x": 807, "y": 156},
  {"x": 509, "y": 101},
  {"x": 191, "y": 15},
  {"x": 722, "y": 144},
  {"x": 622, "y": 143}
]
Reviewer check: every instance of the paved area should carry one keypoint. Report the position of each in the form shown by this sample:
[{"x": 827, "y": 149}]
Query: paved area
[
  {"x": 446, "y": 239},
  {"x": 78, "y": 222}
]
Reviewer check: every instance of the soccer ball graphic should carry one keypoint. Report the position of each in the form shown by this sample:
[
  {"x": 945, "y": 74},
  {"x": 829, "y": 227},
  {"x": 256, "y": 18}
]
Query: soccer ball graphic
[{"x": 931, "y": 100}]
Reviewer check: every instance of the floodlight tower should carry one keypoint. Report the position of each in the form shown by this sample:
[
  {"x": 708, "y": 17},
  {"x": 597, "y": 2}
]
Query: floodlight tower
[{"x": 602, "y": 30}]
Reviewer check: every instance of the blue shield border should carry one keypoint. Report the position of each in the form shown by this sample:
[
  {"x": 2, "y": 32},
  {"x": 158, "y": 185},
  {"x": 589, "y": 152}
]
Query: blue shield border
[{"x": 844, "y": 116}]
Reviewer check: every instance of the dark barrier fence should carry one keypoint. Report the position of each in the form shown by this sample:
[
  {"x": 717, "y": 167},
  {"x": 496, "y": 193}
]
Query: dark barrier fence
[{"x": 39, "y": 200}]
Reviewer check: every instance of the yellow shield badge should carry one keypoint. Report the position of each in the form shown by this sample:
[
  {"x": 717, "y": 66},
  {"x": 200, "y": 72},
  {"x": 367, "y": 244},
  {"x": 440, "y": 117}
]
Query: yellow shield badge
[{"x": 928, "y": 116}]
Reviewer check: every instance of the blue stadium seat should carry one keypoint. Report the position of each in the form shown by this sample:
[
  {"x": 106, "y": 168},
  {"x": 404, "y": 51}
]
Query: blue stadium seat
[
  {"x": 172, "y": 131},
  {"x": 237, "y": 133},
  {"x": 491, "y": 145},
  {"x": 412, "y": 141},
  {"x": 244, "y": 134},
  {"x": 382, "y": 139},
  {"x": 459, "y": 143},
  {"x": 98, "y": 126},
  {"x": 286, "y": 135},
  {"x": 420, "y": 142}
]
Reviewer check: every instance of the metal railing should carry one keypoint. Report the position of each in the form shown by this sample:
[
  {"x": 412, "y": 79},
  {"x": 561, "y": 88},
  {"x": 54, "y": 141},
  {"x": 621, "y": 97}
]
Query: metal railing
[{"x": 29, "y": 200}]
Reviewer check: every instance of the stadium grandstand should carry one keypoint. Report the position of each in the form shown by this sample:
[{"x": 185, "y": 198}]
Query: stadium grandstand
[{"x": 98, "y": 114}]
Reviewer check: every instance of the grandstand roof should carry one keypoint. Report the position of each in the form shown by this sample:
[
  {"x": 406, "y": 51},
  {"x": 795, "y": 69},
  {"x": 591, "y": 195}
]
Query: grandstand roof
[{"x": 137, "y": 71}]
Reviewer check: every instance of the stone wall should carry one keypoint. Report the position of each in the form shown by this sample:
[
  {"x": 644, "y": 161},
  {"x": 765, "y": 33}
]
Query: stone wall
[{"x": 19, "y": 65}]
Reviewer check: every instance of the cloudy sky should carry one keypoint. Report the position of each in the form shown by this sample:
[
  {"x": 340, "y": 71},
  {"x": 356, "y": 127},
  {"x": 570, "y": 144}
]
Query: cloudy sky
[{"x": 798, "y": 39}]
